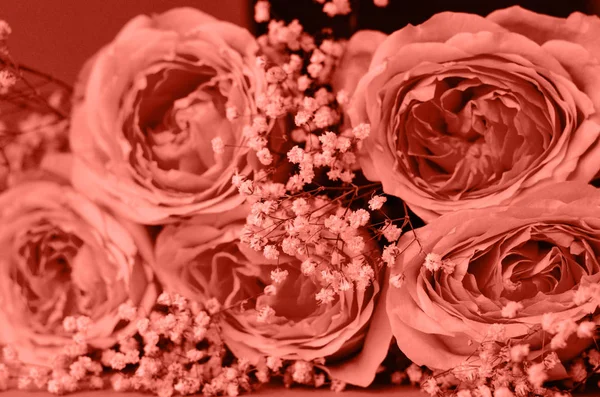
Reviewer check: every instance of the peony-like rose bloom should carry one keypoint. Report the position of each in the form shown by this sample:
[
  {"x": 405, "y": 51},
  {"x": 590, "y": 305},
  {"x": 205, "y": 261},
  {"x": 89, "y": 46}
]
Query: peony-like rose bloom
[
  {"x": 470, "y": 112},
  {"x": 203, "y": 258},
  {"x": 537, "y": 253},
  {"x": 152, "y": 101},
  {"x": 62, "y": 256}
]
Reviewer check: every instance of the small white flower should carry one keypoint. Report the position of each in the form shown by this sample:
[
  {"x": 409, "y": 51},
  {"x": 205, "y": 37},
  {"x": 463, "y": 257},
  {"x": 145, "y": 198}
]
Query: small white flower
[
  {"x": 362, "y": 131},
  {"x": 270, "y": 252},
  {"x": 586, "y": 329},
  {"x": 278, "y": 276},
  {"x": 391, "y": 232},
  {"x": 376, "y": 202},
  {"x": 536, "y": 374},
  {"x": 308, "y": 267},
  {"x": 127, "y": 311},
  {"x": 217, "y": 145},
  {"x": 70, "y": 324},
  {"x": 519, "y": 352},
  {"x": 7, "y": 79},
  {"x": 358, "y": 218},
  {"x": 302, "y": 117},
  {"x": 295, "y": 155},
  {"x": 448, "y": 266},
  {"x": 325, "y": 296},
  {"x": 274, "y": 363},
  {"x": 83, "y": 323},
  {"x": 304, "y": 83},
  {"x": 300, "y": 206},
  {"x": 245, "y": 188},
  {"x": 390, "y": 252},
  {"x": 264, "y": 156},
  {"x": 237, "y": 179},
  {"x": 433, "y": 262},
  {"x": 270, "y": 290},
  {"x": 231, "y": 113},
  {"x": 511, "y": 309},
  {"x": 5, "y": 30},
  {"x": 262, "y": 11},
  {"x": 342, "y": 97},
  {"x": 265, "y": 314},
  {"x": 314, "y": 70},
  {"x": 397, "y": 280}
]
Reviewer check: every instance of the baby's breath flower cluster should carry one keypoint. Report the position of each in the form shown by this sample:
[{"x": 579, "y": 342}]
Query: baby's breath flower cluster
[
  {"x": 330, "y": 7},
  {"x": 299, "y": 372},
  {"x": 175, "y": 350},
  {"x": 34, "y": 121},
  {"x": 312, "y": 214},
  {"x": 344, "y": 7},
  {"x": 502, "y": 366},
  {"x": 330, "y": 241},
  {"x": 8, "y": 77}
]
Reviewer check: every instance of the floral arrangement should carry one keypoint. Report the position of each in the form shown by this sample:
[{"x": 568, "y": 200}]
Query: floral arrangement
[{"x": 208, "y": 212}]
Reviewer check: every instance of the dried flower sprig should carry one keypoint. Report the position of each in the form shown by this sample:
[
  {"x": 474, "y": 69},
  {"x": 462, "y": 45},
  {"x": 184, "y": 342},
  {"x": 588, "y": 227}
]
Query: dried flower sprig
[
  {"x": 175, "y": 350},
  {"x": 502, "y": 367},
  {"x": 35, "y": 111}
]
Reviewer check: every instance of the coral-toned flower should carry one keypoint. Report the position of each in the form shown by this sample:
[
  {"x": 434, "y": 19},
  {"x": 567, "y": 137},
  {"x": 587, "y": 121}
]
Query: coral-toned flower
[
  {"x": 66, "y": 266},
  {"x": 535, "y": 256},
  {"x": 470, "y": 112},
  {"x": 203, "y": 258},
  {"x": 152, "y": 102}
]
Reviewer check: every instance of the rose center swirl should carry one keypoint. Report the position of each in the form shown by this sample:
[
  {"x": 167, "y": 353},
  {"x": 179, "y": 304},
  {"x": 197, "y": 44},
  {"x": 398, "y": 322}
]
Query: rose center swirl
[
  {"x": 177, "y": 110},
  {"x": 469, "y": 126},
  {"x": 537, "y": 262},
  {"x": 44, "y": 273}
]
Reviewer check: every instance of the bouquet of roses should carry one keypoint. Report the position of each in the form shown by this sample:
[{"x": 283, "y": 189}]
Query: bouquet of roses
[{"x": 208, "y": 212}]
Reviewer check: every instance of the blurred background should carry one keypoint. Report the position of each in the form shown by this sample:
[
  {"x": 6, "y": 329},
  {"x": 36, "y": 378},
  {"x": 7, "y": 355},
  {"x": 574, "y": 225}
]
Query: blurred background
[{"x": 58, "y": 36}]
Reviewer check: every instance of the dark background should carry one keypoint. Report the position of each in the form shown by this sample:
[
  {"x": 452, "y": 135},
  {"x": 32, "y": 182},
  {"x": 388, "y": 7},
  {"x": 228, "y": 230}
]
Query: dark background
[
  {"x": 57, "y": 36},
  {"x": 401, "y": 12}
]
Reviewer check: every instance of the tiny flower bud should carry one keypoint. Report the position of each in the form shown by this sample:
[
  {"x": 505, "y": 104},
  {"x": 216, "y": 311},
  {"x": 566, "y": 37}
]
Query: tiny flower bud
[{"x": 217, "y": 145}]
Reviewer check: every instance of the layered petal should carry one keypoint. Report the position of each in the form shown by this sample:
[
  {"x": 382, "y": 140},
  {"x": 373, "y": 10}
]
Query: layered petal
[
  {"x": 151, "y": 103},
  {"x": 203, "y": 258},
  {"x": 538, "y": 252},
  {"x": 466, "y": 113},
  {"x": 64, "y": 256}
]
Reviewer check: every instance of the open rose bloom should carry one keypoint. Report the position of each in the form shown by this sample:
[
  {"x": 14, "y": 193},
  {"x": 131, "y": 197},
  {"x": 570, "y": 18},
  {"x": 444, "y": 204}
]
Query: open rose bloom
[
  {"x": 541, "y": 252},
  {"x": 470, "y": 112},
  {"x": 63, "y": 256},
  {"x": 203, "y": 258},
  {"x": 270, "y": 190},
  {"x": 152, "y": 102}
]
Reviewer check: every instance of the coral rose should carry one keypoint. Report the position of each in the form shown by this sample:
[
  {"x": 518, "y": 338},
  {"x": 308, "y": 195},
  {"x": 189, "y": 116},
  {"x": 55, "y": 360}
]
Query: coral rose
[
  {"x": 203, "y": 258},
  {"x": 63, "y": 256},
  {"x": 470, "y": 112},
  {"x": 505, "y": 268},
  {"x": 151, "y": 104}
]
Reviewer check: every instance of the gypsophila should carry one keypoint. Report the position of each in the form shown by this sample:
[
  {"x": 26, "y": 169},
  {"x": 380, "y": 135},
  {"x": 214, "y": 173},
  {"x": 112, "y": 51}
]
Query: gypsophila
[
  {"x": 511, "y": 309},
  {"x": 217, "y": 145},
  {"x": 376, "y": 202},
  {"x": 397, "y": 280},
  {"x": 433, "y": 262}
]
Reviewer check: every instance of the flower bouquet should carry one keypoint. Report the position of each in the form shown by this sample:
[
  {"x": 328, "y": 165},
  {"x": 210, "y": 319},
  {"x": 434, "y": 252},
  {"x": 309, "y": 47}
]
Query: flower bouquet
[{"x": 208, "y": 212}]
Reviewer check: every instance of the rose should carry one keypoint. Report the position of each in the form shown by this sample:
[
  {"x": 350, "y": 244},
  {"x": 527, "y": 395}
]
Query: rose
[
  {"x": 63, "y": 256},
  {"x": 153, "y": 101},
  {"x": 203, "y": 258},
  {"x": 470, "y": 112},
  {"x": 540, "y": 252}
]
